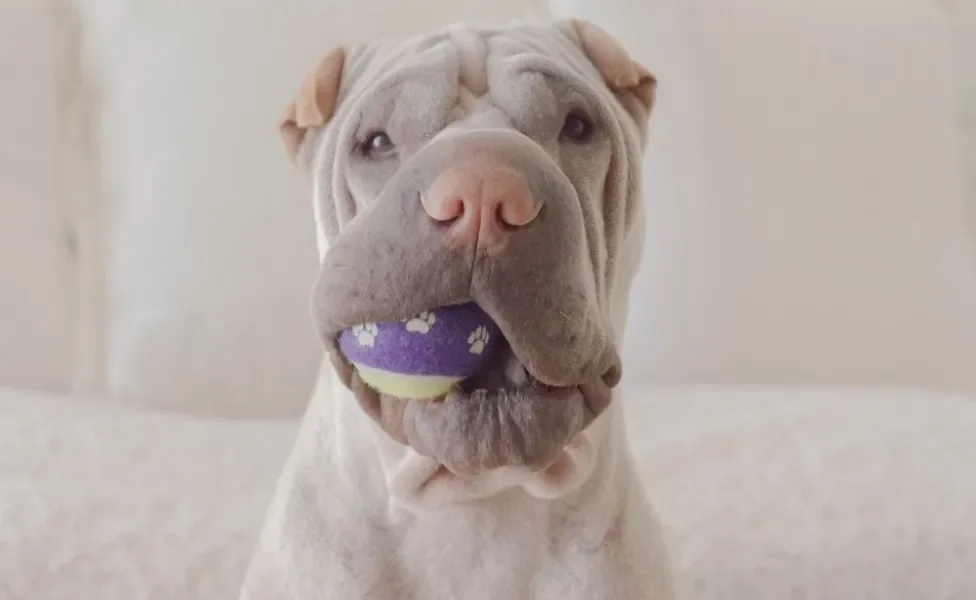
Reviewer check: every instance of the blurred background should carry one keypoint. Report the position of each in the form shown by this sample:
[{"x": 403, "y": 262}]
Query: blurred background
[{"x": 811, "y": 193}]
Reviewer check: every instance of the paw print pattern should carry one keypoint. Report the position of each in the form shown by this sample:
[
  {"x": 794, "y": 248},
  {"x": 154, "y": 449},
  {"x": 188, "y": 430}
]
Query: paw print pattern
[
  {"x": 421, "y": 323},
  {"x": 478, "y": 340},
  {"x": 366, "y": 334}
]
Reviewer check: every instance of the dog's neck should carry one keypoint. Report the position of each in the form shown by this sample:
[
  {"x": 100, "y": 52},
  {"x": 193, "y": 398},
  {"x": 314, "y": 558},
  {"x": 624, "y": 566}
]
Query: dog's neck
[
  {"x": 382, "y": 496},
  {"x": 404, "y": 480}
]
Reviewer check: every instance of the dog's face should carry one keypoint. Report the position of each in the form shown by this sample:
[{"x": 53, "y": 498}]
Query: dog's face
[{"x": 499, "y": 166}]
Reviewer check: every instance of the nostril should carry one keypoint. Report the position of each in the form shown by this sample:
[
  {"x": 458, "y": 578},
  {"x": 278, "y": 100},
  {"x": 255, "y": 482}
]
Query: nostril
[
  {"x": 517, "y": 211},
  {"x": 453, "y": 209},
  {"x": 445, "y": 209},
  {"x": 478, "y": 201},
  {"x": 503, "y": 220}
]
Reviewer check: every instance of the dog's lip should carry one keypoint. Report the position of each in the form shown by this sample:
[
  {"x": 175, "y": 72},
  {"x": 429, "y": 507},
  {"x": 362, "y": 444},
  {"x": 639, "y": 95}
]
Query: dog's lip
[
  {"x": 611, "y": 378},
  {"x": 613, "y": 375},
  {"x": 559, "y": 413}
]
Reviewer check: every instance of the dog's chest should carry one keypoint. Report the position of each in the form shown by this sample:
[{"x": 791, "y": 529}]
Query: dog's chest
[
  {"x": 473, "y": 556},
  {"x": 511, "y": 552}
]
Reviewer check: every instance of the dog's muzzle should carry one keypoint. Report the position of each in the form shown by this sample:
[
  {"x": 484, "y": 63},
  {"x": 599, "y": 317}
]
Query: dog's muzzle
[{"x": 484, "y": 216}]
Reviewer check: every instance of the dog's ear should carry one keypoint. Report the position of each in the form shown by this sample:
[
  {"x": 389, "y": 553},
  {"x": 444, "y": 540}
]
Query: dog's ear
[
  {"x": 634, "y": 84},
  {"x": 314, "y": 103}
]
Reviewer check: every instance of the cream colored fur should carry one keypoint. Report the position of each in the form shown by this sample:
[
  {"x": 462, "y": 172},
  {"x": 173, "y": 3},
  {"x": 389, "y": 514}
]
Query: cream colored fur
[{"x": 358, "y": 515}]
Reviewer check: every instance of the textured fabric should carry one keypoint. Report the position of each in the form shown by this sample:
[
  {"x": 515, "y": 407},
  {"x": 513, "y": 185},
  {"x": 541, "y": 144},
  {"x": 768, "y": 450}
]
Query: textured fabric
[
  {"x": 763, "y": 494},
  {"x": 822, "y": 494},
  {"x": 104, "y": 502}
]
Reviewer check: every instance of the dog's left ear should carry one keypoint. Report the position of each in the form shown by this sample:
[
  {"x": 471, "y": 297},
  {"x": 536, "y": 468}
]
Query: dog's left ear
[
  {"x": 633, "y": 83},
  {"x": 315, "y": 102}
]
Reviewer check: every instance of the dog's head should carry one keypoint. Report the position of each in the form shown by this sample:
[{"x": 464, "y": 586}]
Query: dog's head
[{"x": 499, "y": 166}]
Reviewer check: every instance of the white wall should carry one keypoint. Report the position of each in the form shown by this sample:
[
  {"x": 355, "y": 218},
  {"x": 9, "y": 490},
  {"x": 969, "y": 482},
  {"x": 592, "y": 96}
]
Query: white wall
[
  {"x": 34, "y": 250},
  {"x": 806, "y": 222}
]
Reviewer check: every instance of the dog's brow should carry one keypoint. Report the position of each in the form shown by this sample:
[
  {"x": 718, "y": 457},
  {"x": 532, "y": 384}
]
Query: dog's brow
[
  {"x": 473, "y": 56},
  {"x": 466, "y": 102},
  {"x": 558, "y": 74}
]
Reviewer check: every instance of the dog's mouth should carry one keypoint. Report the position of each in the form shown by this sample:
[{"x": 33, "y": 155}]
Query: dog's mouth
[
  {"x": 541, "y": 287},
  {"x": 505, "y": 374},
  {"x": 501, "y": 416}
]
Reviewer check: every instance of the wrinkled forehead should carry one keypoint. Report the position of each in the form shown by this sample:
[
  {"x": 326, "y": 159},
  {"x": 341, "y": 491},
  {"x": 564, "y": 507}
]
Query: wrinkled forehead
[{"x": 524, "y": 67}]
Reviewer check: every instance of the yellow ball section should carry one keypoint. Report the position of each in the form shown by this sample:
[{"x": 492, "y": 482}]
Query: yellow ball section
[{"x": 409, "y": 387}]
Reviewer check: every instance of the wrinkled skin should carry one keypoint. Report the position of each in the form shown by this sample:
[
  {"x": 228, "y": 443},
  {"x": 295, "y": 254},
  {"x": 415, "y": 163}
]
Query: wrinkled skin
[{"x": 482, "y": 98}]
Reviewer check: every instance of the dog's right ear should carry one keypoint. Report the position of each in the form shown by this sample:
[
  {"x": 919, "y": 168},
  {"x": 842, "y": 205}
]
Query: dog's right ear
[{"x": 315, "y": 102}]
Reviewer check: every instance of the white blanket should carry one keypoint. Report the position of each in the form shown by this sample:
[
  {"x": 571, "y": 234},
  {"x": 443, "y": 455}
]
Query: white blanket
[
  {"x": 103, "y": 503},
  {"x": 832, "y": 494},
  {"x": 764, "y": 494}
]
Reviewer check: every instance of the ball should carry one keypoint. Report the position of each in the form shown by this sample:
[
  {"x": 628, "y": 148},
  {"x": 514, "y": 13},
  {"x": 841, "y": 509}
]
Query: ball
[{"x": 424, "y": 356}]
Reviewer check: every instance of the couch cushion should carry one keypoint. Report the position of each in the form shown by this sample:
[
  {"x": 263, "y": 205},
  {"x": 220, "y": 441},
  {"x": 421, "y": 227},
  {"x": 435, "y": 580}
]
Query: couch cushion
[
  {"x": 764, "y": 494},
  {"x": 109, "y": 502},
  {"x": 821, "y": 493}
]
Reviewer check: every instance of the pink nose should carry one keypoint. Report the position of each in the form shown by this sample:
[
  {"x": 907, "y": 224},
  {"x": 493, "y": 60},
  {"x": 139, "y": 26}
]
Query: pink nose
[{"x": 481, "y": 202}]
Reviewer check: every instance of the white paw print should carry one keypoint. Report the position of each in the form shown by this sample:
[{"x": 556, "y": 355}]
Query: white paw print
[
  {"x": 366, "y": 334},
  {"x": 421, "y": 323},
  {"x": 478, "y": 340}
]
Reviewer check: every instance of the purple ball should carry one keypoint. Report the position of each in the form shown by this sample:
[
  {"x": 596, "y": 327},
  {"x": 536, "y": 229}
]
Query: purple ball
[{"x": 450, "y": 342}]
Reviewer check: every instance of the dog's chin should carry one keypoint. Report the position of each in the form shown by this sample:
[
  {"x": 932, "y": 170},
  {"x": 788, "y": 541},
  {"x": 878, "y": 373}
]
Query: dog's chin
[{"x": 502, "y": 417}]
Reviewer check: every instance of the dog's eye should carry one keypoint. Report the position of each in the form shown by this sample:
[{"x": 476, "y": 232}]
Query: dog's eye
[
  {"x": 577, "y": 127},
  {"x": 376, "y": 145}
]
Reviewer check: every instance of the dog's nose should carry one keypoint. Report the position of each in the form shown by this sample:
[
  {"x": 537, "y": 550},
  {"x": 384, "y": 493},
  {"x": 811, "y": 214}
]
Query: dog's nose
[{"x": 481, "y": 202}]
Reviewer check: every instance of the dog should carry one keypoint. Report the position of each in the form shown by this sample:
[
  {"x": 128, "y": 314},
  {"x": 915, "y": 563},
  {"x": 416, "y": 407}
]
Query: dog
[{"x": 499, "y": 165}]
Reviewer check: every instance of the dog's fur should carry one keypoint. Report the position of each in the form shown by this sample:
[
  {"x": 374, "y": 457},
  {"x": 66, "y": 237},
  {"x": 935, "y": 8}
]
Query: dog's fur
[{"x": 525, "y": 494}]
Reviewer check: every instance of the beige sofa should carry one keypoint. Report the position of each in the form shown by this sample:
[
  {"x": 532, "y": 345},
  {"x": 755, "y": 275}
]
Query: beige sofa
[{"x": 804, "y": 333}]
